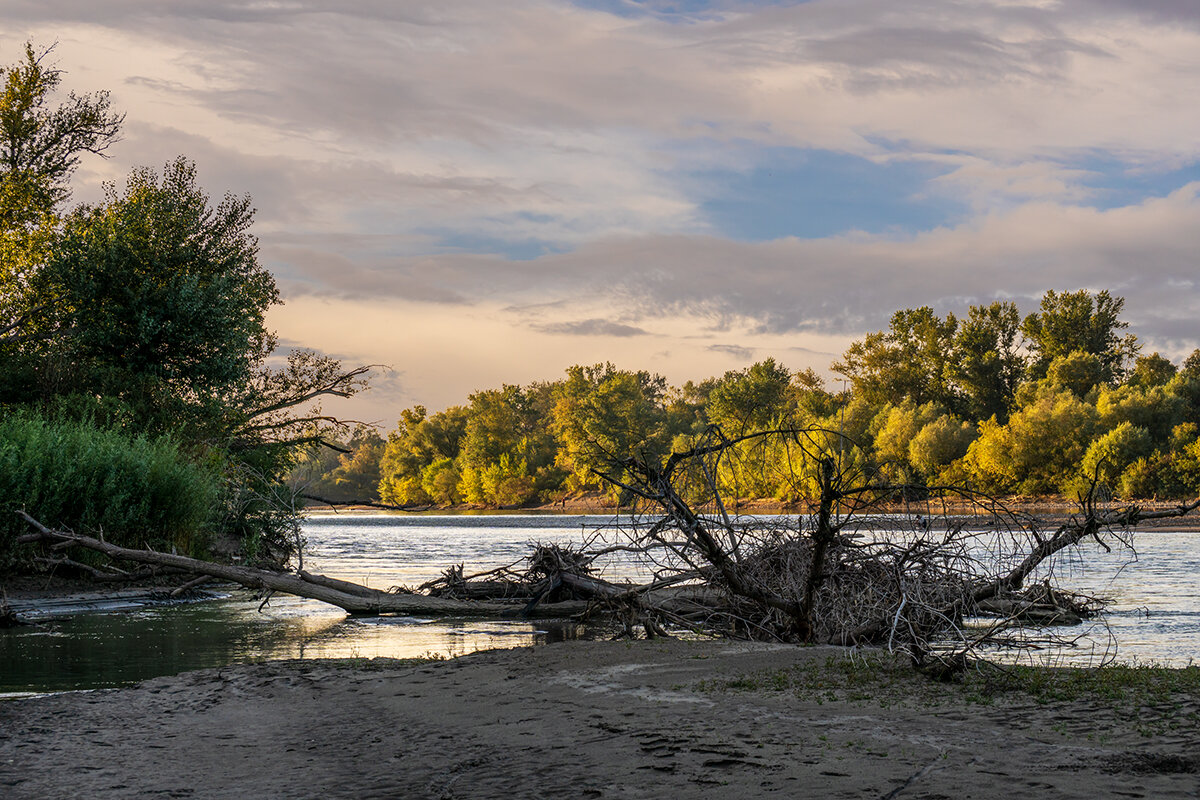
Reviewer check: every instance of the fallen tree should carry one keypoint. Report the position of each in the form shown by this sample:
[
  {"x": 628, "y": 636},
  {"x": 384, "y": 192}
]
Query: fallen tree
[
  {"x": 868, "y": 562},
  {"x": 351, "y": 597}
]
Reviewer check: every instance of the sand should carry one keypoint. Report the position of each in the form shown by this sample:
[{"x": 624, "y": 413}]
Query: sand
[{"x": 578, "y": 720}]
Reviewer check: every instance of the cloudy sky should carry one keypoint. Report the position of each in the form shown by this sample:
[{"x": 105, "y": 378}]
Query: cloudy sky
[{"x": 477, "y": 192}]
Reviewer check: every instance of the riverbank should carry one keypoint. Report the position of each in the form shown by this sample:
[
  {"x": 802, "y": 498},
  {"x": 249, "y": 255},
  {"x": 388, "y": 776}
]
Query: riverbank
[
  {"x": 1051, "y": 511},
  {"x": 585, "y": 719}
]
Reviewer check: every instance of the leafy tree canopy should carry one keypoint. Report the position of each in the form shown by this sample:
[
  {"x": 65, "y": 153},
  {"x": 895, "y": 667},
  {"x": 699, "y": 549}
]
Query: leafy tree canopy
[{"x": 1067, "y": 322}]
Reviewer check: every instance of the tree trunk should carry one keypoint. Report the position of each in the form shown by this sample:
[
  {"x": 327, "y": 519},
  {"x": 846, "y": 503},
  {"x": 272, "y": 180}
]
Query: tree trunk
[{"x": 351, "y": 597}]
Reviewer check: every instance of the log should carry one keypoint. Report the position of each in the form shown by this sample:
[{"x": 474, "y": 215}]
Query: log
[
  {"x": 355, "y": 599},
  {"x": 1026, "y": 611},
  {"x": 484, "y": 590}
]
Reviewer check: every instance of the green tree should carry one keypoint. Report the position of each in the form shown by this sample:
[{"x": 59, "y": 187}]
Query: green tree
[
  {"x": 1040, "y": 448},
  {"x": 1078, "y": 371},
  {"x": 1078, "y": 321},
  {"x": 908, "y": 361},
  {"x": 1152, "y": 370},
  {"x": 418, "y": 442},
  {"x": 1111, "y": 454},
  {"x": 601, "y": 414},
  {"x": 751, "y": 399},
  {"x": 342, "y": 470},
  {"x": 938, "y": 445},
  {"x": 1191, "y": 364},
  {"x": 41, "y": 141},
  {"x": 440, "y": 480},
  {"x": 900, "y": 427},
  {"x": 43, "y": 135},
  {"x": 985, "y": 367},
  {"x": 160, "y": 301},
  {"x": 146, "y": 312},
  {"x": 507, "y": 453},
  {"x": 1155, "y": 410}
]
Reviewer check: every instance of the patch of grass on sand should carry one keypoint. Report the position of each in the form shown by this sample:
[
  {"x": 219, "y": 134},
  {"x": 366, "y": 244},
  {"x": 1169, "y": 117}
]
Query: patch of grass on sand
[{"x": 1167, "y": 696}]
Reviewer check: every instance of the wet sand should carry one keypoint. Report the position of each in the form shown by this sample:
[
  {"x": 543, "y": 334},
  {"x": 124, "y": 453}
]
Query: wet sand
[{"x": 579, "y": 720}]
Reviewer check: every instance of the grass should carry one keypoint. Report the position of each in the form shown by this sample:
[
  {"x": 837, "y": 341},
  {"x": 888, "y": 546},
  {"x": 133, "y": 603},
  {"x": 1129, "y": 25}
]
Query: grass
[{"x": 1154, "y": 699}]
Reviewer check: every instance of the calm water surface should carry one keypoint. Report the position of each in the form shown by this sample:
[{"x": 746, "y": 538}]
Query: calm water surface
[{"x": 1154, "y": 616}]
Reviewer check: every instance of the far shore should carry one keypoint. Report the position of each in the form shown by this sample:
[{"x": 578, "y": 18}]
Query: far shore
[
  {"x": 1049, "y": 510},
  {"x": 645, "y": 719}
]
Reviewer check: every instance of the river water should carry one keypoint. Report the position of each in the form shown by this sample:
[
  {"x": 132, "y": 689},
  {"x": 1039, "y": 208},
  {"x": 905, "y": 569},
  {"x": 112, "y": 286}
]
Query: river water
[{"x": 1154, "y": 615}]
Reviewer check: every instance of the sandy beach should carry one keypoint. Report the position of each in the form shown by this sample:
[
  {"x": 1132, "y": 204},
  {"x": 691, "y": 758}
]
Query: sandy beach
[{"x": 662, "y": 719}]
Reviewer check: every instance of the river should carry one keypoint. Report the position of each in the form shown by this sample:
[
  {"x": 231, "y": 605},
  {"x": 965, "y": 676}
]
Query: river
[{"x": 1154, "y": 615}]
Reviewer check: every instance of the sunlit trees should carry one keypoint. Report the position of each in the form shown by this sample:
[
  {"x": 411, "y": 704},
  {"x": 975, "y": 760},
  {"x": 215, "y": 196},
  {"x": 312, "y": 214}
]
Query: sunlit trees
[
  {"x": 349, "y": 472},
  {"x": 506, "y": 446},
  {"x": 908, "y": 361},
  {"x": 938, "y": 445},
  {"x": 1038, "y": 451},
  {"x": 754, "y": 398},
  {"x": 1067, "y": 322},
  {"x": 601, "y": 413},
  {"x": 1152, "y": 370},
  {"x": 984, "y": 365},
  {"x": 419, "y": 441},
  {"x": 1108, "y": 456},
  {"x": 43, "y": 135}
]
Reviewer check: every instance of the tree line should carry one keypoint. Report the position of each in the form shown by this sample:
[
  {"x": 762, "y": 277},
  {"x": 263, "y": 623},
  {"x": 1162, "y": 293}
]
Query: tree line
[{"x": 1039, "y": 404}]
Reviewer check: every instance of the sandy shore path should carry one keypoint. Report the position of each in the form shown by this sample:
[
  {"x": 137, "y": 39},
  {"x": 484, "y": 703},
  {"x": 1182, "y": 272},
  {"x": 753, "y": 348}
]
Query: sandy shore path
[{"x": 578, "y": 720}]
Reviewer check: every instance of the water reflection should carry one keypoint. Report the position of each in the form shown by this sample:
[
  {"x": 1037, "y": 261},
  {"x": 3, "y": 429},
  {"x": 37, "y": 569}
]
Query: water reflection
[{"x": 114, "y": 649}]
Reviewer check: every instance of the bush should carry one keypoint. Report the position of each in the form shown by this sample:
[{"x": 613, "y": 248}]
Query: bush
[{"x": 138, "y": 492}]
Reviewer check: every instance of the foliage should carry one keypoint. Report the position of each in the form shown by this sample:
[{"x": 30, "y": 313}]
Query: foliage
[
  {"x": 138, "y": 492},
  {"x": 145, "y": 313},
  {"x": 342, "y": 471},
  {"x": 984, "y": 365},
  {"x": 907, "y": 361},
  {"x": 751, "y": 399},
  {"x": 159, "y": 299},
  {"x": 1152, "y": 370},
  {"x": 41, "y": 143},
  {"x": 601, "y": 413},
  {"x": 901, "y": 426},
  {"x": 440, "y": 481},
  {"x": 936, "y": 401},
  {"x": 1078, "y": 321},
  {"x": 1108, "y": 456},
  {"x": 938, "y": 445},
  {"x": 1039, "y": 449}
]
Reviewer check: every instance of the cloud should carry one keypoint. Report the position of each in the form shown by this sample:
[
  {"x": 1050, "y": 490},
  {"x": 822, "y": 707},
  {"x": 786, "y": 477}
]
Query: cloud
[
  {"x": 847, "y": 283},
  {"x": 737, "y": 351},
  {"x": 590, "y": 327},
  {"x": 553, "y": 164}
]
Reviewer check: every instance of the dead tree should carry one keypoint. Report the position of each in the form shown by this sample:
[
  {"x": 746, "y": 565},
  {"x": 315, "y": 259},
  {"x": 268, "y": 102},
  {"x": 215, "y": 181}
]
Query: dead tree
[
  {"x": 867, "y": 562},
  {"x": 351, "y": 597}
]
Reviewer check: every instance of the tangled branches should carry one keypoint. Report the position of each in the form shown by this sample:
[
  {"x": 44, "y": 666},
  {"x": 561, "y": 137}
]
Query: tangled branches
[{"x": 938, "y": 573}]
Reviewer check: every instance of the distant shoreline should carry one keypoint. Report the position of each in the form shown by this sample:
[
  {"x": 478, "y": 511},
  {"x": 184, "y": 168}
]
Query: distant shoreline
[{"x": 1050, "y": 510}]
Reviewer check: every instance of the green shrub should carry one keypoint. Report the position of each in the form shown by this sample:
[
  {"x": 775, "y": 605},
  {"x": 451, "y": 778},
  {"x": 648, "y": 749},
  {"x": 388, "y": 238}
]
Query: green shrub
[{"x": 137, "y": 492}]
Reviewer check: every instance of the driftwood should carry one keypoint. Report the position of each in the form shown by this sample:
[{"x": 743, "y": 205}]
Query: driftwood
[
  {"x": 831, "y": 575},
  {"x": 353, "y": 598},
  {"x": 1027, "y": 611}
]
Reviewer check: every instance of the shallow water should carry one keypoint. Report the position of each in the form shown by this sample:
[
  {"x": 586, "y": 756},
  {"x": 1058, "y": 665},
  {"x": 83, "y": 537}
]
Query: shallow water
[{"x": 1154, "y": 616}]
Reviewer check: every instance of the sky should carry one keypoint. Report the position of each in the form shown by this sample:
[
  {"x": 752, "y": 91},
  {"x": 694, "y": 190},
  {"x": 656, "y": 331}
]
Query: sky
[{"x": 473, "y": 193}]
